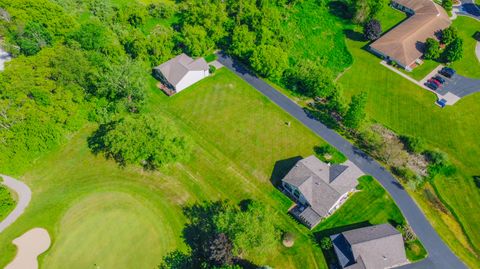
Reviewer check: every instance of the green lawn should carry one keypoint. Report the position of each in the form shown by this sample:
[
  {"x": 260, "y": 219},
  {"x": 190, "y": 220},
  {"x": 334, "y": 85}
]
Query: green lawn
[
  {"x": 408, "y": 109},
  {"x": 423, "y": 70},
  {"x": 316, "y": 35},
  {"x": 100, "y": 214},
  {"x": 469, "y": 65}
]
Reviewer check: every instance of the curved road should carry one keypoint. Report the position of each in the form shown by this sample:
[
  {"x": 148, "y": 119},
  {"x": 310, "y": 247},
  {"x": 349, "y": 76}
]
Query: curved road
[
  {"x": 24, "y": 195},
  {"x": 469, "y": 8},
  {"x": 440, "y": 256}
]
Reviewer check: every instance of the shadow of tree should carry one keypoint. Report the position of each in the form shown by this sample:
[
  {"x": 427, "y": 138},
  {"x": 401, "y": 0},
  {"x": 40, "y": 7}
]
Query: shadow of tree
[
  {"x": 281, "y": 168},
  {"x": 340, "y": 9},
  {"x": 354, "y": 35}
]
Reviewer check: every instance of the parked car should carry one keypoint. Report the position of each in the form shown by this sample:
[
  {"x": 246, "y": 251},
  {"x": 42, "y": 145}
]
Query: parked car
[
  {"x": 434, "y": 81},
  {"x": 448, "y": 72},
  {"x": 442, "y": 103},
  {"x": 431, "y": 85},
  {"x": 439, "y": 79}
]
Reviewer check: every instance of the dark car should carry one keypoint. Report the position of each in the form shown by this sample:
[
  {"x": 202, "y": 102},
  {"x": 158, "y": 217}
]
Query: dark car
[
  {"x": 436, "y": 82},
  {"x": 439, "y": 79},
  {"x": 431, "y": 85},
  {"x": 447, "y": 71}
]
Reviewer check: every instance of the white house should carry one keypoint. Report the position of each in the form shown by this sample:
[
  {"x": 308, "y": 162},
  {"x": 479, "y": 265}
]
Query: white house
[
  {"x": 181, "y": 72},
  {"x": 319, "y": 188}
]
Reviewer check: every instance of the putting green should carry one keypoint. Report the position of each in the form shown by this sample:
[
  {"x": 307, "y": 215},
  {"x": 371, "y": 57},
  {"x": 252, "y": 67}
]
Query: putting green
[{"x": 109, "y": 230}]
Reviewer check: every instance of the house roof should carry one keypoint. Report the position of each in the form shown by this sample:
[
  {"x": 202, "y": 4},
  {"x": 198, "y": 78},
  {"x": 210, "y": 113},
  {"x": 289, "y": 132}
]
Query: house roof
[
  {"x": 379, "y": 246},
  {"x": 321, "y": 184},
  {"x": 405, "y": 43},
  {"x": 174, "y": 70}
]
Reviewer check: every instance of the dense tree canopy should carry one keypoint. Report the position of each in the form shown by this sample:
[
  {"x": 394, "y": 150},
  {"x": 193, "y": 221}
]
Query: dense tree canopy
[
  {"x": 269, "y": 61},
  {"x": 147, "y": 140},
  {"x": 356, "y": 111},
  {"x": 454, "y": 50}
]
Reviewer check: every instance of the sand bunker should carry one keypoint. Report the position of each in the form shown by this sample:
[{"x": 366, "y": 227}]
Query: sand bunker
[{"x": 30, "y": 245}]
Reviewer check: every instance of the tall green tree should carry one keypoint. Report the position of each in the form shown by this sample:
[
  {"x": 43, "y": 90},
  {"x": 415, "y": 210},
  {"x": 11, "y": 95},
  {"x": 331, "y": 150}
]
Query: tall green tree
[
  {"x": 243, "y": 42},
  {"x": 449, "y": 35},
  {"x": 447, "y": 5},
  {"x": 252, "y": 229},
  {"x": 196, "y": 41},
  {"x": 311, "y": 79},
  {"x": 269, "y": 61},
  {"x": 146, "y": 140},
  {"x": 432, "y": 49},
  {"x": 454, "y": 50},
  {"x": 356, "y": 111}
]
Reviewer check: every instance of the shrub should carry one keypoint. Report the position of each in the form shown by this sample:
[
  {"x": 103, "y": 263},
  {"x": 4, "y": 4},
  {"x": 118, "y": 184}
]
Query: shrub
[
  {"x": 447, "y": 5},
  {"x": 432, "y": 49},
  {"x": 372, "y": 30},
  {"x": 326, "y": 243},
  {"x": 211, "y": 69},
  {"x": 413, "y": 144}
]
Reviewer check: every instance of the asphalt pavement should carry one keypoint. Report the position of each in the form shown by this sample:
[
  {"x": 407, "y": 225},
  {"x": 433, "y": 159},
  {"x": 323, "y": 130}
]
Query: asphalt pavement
[{"x": 439, "y": 255}]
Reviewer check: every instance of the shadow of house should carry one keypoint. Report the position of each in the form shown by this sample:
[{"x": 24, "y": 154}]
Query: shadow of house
[
  {"x": 354, "y": 35},
  {"x": 281, "y": 169}
]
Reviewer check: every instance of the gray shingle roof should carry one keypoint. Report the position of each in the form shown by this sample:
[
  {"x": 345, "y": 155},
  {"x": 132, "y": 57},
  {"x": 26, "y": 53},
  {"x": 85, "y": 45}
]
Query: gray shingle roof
[
  {"x": 322, "y": 185},
  {"x": 379, "y": 246},
  {"x": 175, "y": 69}
]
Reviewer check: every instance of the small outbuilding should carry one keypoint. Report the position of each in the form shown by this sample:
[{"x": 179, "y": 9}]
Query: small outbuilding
[
  {"x": 374, "y": 247},
  {"x": 180, "y": 72}
]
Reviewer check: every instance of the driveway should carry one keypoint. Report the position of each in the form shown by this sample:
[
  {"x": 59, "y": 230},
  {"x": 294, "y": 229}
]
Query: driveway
[
  {"x": 24, "y": 195},
  {"x": 460, "y": 86},
  {"x": 468, "y": 8},
  {"x": 440, "y": 256}
]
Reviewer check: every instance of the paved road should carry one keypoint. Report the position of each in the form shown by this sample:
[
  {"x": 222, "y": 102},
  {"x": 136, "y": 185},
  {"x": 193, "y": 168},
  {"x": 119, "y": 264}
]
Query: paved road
[
  {"x": 440, "y": 256},
  {"x": 24, "y": 195}
]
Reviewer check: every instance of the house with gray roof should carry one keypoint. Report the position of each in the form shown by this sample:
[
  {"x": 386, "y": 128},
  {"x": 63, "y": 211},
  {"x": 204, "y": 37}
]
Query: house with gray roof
[
  {"x": 374, "y": 247},
  {"x": 319, "y": 188},
  {"x": 181, "y": 72}
]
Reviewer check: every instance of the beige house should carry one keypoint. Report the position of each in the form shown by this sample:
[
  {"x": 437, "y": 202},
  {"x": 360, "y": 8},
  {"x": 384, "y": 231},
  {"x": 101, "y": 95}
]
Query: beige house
[
  {"x": 405, "y": 43},
  {"x": 181, "y": 72}
]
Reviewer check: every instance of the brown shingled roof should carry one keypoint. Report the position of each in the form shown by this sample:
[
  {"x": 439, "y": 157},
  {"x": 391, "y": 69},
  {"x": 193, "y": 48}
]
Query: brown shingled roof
[{"x": 405, "y": 42}]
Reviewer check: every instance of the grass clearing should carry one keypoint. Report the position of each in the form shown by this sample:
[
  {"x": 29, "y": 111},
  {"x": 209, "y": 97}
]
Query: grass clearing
[
  {"x": 317, "y": 35},
  {"x": 96, "y": 211},
  {"x": 469, "y": 65},
  {"x": 408, "y": 109}
]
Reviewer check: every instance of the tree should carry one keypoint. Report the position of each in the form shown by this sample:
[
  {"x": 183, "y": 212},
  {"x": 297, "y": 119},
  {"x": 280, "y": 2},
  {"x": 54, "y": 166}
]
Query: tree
[
  {"x": 454, "y": 50},
  {"x": 311, "y": 79},
  {"x": 196, "y": 40},
  {"x": 412, "y": 143},
  {"x": 356, "y": 111},
  {"x": 252, "y": 229},
  {"x": 93, "y": 35},
  {"x": 33, "y": 38},
  {"x": 432, "y": 49},
  {"x": 160, "y": 44},
  {"x": 147, "y": 140},
  {"x": 220, "y": 250},
  {"x": 447, "y": 5},
  {"x": 269, "y": 61},
  {"x": 372, "y": 30},
  {"x": 449, "y": 35},
  {"x": 243, "y": 42}
]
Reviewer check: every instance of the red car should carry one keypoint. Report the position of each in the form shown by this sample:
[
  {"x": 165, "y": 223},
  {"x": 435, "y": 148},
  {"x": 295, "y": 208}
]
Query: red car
[{"x": 436, "y": 82}]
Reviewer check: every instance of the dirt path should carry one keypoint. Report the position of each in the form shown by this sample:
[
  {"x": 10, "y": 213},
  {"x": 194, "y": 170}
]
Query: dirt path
[
  {"x": 30, "y": 245},
  {"x": 24, "y": 196}
]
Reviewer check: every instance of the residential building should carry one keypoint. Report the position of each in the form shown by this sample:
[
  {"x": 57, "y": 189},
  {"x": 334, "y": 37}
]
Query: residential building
[
  {"x": 181, "y": 72},
  {"x": 374, "y": 247},
  {"x": 319, "y": 188},
  {"x": 405, "y": 43}
]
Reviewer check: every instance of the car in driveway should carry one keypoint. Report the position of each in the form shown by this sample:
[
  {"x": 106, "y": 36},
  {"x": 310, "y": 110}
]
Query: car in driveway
[{"x": 436, "y": 82}]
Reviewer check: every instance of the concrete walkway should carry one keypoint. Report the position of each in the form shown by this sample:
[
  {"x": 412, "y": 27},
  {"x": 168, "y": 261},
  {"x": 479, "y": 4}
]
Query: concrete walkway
[
  {"x": 24, "y": 195},
  {"x": 439, "y": 255}
]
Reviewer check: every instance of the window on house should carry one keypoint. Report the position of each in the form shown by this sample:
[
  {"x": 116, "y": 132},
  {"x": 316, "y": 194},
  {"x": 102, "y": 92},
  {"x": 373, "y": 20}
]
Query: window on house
[
  {"x": 296, "y": 193},
  {"x": 288, "y": 187}
]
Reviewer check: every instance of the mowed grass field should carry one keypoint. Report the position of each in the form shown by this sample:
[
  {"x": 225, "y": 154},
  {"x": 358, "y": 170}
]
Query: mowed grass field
[
  {"x": 469, "y": 65},
  {"x": 408, "y": 109},
  {"x": 99, "y": 214}
]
